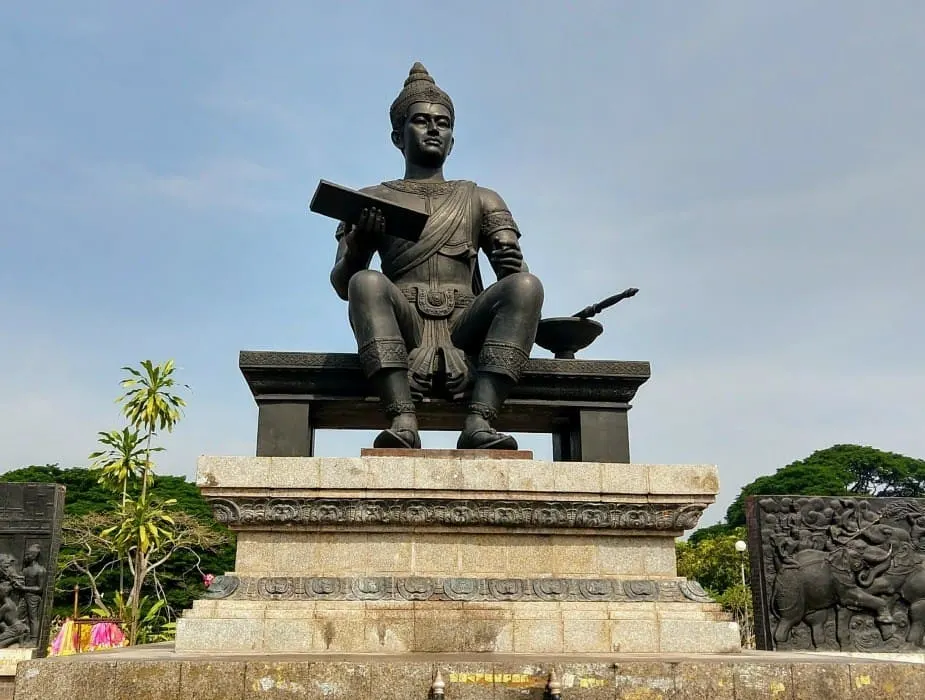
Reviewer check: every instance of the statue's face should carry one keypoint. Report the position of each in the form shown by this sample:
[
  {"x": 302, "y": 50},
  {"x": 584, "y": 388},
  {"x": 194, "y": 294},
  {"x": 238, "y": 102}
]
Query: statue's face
[{"x": 427, "y": 137}]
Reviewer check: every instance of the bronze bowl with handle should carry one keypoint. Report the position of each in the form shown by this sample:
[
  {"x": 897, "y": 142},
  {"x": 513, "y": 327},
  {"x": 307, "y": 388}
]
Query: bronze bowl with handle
[{"x": 563, "y": 336}]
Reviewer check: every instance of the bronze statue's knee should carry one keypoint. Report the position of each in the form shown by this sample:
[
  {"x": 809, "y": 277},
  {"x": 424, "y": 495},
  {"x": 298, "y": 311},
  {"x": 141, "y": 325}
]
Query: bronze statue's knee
[
  {"x": 526, "y": 288},
  {"x": 367, "y": 284}
]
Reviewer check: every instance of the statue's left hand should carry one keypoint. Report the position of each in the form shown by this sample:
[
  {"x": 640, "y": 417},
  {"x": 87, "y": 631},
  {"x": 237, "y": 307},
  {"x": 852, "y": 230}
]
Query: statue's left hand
[{"x": 506, "y": 260}]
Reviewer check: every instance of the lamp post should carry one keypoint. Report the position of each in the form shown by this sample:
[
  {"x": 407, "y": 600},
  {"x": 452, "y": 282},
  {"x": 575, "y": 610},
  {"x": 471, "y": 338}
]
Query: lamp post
[{"x": 742, "y": 548}]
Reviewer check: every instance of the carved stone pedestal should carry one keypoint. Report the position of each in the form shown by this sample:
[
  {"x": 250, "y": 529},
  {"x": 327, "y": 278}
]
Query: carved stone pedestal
[{"x": 396, "y": 554}]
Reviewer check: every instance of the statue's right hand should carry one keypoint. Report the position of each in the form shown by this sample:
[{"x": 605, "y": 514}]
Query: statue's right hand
[{"x": 363, "y": 234}]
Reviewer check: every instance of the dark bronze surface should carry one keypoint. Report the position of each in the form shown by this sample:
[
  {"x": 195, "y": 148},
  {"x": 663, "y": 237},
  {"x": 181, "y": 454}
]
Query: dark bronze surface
[
  {"x": 838, "y": 573},
  {"x": 426, "y": 325},
  {"x": 595, "y": 309},
  {"x": 581, "y": 403},
  {"x": 339, "y": 202},
  {"x": 567, "y": 335},
  {"x": 277, "y": 375},
  {"x": 448, "y": 454},
  {"x": 30, "y": 536}
]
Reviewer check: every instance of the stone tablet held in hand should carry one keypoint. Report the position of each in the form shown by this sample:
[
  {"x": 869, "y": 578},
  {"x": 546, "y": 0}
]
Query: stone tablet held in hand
[{"x": 343, "y": 204}]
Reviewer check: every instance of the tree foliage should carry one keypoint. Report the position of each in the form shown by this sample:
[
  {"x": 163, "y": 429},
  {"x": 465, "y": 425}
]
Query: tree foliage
[
  {"x": 838, "y": 471},
  {"x": 709, "y": 556},
  {"x": 715, "y": 564},
  {"x": 86, "y": 499},
  {"x": 95, "y": 542},
  {"x": 142, "y": 539}
]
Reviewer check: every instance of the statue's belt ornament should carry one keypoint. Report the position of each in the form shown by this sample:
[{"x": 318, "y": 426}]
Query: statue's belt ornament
[{"x": 437, "y": 303}]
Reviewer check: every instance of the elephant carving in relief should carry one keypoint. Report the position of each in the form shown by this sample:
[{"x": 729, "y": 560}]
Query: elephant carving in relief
[
  {"x": 811, "y": 582},
  {"x": 905, "y": 577}
]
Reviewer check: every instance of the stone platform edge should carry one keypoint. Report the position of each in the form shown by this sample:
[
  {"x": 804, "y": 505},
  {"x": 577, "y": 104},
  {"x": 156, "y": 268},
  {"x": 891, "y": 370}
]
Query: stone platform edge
[
  {"x": 483, "y": 476},
  {"x": 157, "y": 672},
  {"x": 378, "y": 627}
]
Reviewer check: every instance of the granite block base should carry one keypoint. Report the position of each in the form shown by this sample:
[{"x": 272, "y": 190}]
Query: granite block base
[
  {"x": 446, "y": 626},
  {"x": 158, "y": 672},
  {"x": 408, "y": 554},
  {"x": 9, "y": 662}
]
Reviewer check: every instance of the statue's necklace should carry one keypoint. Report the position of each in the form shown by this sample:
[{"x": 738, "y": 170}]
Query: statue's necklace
[{"x": 422, "y": 189}]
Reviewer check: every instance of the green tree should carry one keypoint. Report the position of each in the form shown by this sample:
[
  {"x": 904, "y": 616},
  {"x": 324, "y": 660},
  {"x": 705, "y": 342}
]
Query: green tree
[
  {"x": 125, "y": 458},
  {"x": 96, "y": 543},
  {"x": 838, "y": 471},
  {"x": 146, "y": 528},
  {"x": 179, "y": 579},
  {"x": 709, "y": 532},
  {"x": 715, "y": 564}
]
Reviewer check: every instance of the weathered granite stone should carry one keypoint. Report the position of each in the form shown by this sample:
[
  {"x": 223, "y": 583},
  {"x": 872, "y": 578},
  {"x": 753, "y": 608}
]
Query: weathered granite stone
[
  {"x": 286, "y": 680},
  {"x": 492, "y": 556},
  {"x": 158, "y": 671},
  {"x": 761, "y": 681},
  {"x": 644, "y": 680},
  {"x": 809, "y": 684},
  {"x": 10, "y": 658},
  {"x": 879, "y": 681},
  {"x": 211, "y": 680},
  {"x": 699, "y": 680}
]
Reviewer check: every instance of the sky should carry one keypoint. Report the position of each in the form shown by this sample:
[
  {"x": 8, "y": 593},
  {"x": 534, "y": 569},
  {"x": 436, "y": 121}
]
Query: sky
[{"x": 756, "y": 169}]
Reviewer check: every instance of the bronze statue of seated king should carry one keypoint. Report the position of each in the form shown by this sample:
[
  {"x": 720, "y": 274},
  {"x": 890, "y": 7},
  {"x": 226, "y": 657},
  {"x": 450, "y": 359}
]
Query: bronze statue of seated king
[{"x": 426, "y": 325}]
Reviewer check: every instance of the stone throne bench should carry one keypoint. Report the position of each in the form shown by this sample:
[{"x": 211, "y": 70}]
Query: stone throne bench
[{"x": 583, "y": 404}]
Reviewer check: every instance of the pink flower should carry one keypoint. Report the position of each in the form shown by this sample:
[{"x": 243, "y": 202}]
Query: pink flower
[{"x": 207, "y": 579}]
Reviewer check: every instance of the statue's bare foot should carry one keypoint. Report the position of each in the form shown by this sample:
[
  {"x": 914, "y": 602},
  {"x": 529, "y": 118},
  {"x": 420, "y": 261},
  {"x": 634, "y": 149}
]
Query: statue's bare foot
[
  {"x": 403, "y": 435},
  {"x": 478, "y": 434}
]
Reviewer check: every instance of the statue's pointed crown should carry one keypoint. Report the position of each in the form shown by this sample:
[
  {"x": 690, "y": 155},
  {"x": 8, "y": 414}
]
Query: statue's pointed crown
[{"x": 419, "y": 87}]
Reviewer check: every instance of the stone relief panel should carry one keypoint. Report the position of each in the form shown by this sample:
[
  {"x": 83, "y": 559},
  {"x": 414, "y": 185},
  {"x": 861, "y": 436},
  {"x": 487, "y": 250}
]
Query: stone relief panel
[
  {"x": 30, "y": 534},
  {"x": 838, "y": 573}
]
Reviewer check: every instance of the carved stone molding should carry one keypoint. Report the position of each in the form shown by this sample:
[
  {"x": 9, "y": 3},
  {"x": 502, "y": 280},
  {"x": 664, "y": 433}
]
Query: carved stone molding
[
  {"x": 242, "y": 512},
  {"x": 420, "y": 588}
]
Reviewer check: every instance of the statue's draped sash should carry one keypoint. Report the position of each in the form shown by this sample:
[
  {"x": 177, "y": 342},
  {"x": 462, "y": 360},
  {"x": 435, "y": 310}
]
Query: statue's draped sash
[{"x": 455, "y": 219}]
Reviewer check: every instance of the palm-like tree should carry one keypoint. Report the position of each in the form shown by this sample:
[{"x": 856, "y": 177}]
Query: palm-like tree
[
  {"x": 150, "y": 404},
  {"x": 123, "y": 459}
]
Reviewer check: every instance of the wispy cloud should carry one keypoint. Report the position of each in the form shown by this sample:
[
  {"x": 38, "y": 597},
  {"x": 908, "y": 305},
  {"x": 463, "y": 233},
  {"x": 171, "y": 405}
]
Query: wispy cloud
[
  {"x": 220, "y": 184},
  {"x": 754, "y": 168}
]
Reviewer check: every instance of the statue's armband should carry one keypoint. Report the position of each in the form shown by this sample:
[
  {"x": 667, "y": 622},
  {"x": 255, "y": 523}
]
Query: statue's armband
[{"x": 494, "y": 224}]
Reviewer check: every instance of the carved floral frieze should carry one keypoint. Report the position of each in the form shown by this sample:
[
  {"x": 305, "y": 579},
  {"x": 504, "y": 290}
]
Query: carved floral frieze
[
  {"x": 420, "y": 588},
  {"x": 261, "y": 511}
]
